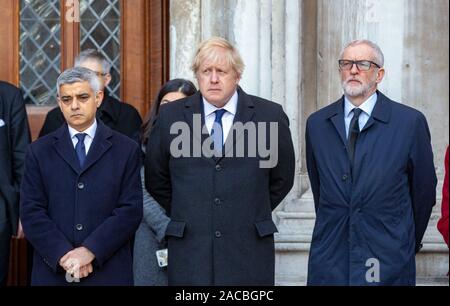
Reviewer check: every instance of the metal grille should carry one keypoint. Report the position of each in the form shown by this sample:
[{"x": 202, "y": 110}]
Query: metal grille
[
  {"x": 39, "y": 50},
  {"x": 100, "y": 29}
]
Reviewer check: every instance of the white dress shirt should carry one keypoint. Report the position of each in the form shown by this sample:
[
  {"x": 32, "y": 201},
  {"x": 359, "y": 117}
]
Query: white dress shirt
[
  {"x": 90, "y": 134},
  {"x": 366, "y": 107},
  {"x": 228, "y": 116}
]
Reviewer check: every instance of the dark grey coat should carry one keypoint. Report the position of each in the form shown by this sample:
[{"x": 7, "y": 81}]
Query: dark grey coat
[
  {"x": 221, "y": 229},
  {"x": 14, "y": 139},
  {"x": 150, "y": 238}
]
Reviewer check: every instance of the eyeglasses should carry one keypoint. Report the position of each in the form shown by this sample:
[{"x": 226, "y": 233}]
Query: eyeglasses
[
  {"x": 99, "y": 74},
  {"x": 361, "y": 65}
]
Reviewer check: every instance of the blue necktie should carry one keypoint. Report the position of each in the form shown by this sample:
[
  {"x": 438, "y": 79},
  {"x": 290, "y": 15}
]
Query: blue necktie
[
  {"x": 80, "y": 148},
  {"x": 217, "y": 131},
  {"x": 353, "y": 134}
]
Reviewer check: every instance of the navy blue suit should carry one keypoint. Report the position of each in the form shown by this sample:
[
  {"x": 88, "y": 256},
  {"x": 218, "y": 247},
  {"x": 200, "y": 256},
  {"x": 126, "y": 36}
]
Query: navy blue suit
[
  {"x": 379, "y": 212},
  {"x": 98, "y": 206}
]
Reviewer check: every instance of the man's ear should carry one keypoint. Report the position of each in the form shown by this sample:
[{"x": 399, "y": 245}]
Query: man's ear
[
  {"x": 380, "y": 75},
  {"x": 108, "y": 79},
  {"x": 99, "y": 98}
]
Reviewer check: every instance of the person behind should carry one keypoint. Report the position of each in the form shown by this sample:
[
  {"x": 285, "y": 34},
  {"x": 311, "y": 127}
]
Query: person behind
[
  {"x": 370, "y": 164},
  {"x": 77, "y": 210},
  {"x": 117, "y": 115},
  {"x": 220, "y": 205},
  {"x": 14, "y": 139},
  {"x": 443, "y": 221},
  {"x": 151, "y": 232}
]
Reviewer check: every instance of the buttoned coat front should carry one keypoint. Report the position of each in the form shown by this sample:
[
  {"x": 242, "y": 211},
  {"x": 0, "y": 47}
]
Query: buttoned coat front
[
  {"x": 369, "y": 221},
  {"x": 98, "y": 206},
  {"x": 221, "y": 229}
]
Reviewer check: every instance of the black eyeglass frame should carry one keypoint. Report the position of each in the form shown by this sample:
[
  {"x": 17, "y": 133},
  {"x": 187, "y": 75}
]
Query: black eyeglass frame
[{"x": 340, "y": 62}]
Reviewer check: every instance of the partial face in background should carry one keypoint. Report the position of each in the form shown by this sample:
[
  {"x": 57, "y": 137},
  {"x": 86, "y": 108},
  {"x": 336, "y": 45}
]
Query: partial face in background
[
  {"x": 216, "y": 77},
  {"x": 356, "y": 82},
  {"x": 79, "y": 104},
  {"x": 103, "y": 76},
  {"x": 172, "y": 96}
]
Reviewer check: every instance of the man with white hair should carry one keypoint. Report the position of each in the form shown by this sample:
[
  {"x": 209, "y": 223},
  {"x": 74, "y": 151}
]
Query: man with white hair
[
  {"x": 81, "y": 194},
  {"x": 370, "y": 165}
]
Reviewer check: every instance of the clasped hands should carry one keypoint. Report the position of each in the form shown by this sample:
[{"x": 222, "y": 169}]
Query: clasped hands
[{"x": 78, "y": 262}]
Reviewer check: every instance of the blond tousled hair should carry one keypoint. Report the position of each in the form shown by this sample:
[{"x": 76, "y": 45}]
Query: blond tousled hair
[{"x": 206, "y": 51}]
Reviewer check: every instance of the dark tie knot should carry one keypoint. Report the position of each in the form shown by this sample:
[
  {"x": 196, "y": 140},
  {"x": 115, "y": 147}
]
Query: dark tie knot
[
  {"x": 219, "y": 114},
  {"x": 80, "y": 137},
  {"x": 357, "y": 112}
]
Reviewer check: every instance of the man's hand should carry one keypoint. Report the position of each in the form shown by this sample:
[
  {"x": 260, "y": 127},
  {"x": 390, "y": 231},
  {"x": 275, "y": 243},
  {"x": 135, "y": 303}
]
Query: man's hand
[{"x": 78, "y": 262}]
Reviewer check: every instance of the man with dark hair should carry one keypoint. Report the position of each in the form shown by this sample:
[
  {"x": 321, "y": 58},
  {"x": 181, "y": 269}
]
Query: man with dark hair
[
  {"x": 119, "y": 116},
  {"x": 81, "y": 195}
]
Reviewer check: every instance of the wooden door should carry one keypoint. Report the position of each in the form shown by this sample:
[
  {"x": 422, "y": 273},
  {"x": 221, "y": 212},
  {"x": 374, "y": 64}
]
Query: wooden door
[{"x": 41, "y": 38}]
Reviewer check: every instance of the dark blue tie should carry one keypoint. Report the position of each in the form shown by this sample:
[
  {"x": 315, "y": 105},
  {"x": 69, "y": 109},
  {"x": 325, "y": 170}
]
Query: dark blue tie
[
  {"x": 80, "y": 148},
  {"x": 353, "y": 134},
  {"x": 217, "y": 131}
]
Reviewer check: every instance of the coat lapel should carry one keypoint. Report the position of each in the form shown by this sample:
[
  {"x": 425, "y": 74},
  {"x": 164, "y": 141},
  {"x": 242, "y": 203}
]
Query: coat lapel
[
  {"x": 381, "y": 111},
  {"x": 193, "y": 106},
  {"x": 244, "y": 113},
  {"x": 337, "y": 118},
  {"x": 99, "y": 146},
  {"x": 64, "y": 147}
]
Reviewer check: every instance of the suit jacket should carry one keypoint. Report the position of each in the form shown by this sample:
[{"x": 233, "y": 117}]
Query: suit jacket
[
  {"x": 98, "y": 206},
  {"x": 381, "y": 211},
  {"x": 119, "y": 116},
  {"x": 14, "y": 139},
  {"x": 221, "y": 228}
]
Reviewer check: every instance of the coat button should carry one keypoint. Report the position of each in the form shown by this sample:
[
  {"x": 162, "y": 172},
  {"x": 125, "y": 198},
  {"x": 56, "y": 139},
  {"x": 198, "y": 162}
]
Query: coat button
[
  {"x": 80, "y": 185},
  {"x": 218, "y": 234},
  {"x": 344, "y": 177},
  {"x": 218, "y": 168},
  {"x": 79, "y": 227},
  {"x": 217, "y": 201}
]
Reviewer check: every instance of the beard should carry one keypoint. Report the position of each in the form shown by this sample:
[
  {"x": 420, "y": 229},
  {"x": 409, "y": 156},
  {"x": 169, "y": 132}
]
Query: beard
[{"x": 360, "y": 90}]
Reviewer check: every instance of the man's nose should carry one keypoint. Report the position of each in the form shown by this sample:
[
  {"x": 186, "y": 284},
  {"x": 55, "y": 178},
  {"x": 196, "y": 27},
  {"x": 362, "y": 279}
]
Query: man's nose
[
  {"x": 214, "y": 77},
  {"x": 75, "y": 104},
  {"x": 354, "y": 69}
]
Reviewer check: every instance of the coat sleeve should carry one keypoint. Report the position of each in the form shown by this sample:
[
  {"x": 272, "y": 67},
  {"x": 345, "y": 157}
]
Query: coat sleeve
[
  {"x": 40, "y": 230},
  {"x": 443, "y": 221},
  {"x": 422, "y": 178},
  {"x": 20, "y": 139},
  {"x": 119, "y": 228},
  {"x": 155, "y": 217},
  {"x": 282, "y": 175},
  {"x": 157, "y": 172},
  {"x": 311, "y": 165}
]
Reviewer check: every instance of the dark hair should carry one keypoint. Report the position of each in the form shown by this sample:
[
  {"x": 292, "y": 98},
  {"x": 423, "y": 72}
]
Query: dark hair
[{"x": 176, "y": 85}]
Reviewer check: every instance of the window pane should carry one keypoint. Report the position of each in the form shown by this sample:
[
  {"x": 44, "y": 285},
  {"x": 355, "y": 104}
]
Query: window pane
[
  {"x": 39, "y": 50},
  {"x": 100, "y": 29}
]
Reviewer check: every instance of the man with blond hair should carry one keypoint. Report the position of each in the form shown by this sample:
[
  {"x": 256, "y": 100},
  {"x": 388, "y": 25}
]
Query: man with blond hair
[{"x": 221, "y": 189}]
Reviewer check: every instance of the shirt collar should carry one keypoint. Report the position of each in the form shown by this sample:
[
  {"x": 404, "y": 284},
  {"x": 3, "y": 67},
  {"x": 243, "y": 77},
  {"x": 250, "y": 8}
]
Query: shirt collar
[
  {"x": 230, "y": 107},
  {"x": 367, "y": 106},
  {"x": 90, "y": 131}
]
